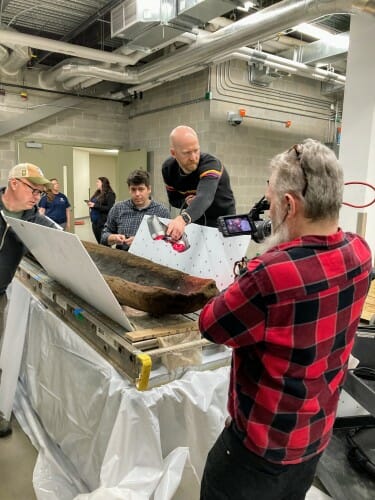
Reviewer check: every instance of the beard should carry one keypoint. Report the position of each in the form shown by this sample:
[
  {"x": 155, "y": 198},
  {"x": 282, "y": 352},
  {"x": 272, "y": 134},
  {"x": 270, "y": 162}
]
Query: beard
[{"x": 280, "y": 232}]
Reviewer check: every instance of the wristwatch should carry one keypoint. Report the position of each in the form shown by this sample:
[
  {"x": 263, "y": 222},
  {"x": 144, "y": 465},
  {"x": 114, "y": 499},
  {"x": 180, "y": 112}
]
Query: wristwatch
[{"x": 186, "y": 217}]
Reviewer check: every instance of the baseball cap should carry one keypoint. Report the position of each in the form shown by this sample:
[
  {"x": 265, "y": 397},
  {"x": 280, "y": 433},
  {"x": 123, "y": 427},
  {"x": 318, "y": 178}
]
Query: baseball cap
[{"x": 28, "y": 171}]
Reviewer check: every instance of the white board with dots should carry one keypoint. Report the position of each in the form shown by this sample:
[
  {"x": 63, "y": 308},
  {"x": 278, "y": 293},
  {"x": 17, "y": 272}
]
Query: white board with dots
[{"x": 210, "y": 255}]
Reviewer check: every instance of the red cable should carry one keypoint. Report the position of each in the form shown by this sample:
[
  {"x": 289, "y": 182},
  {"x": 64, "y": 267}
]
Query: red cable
[{"x": 361, "y": 183}]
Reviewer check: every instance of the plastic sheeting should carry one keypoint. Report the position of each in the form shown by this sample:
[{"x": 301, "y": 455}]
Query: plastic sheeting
[{"x": 98, "y": 437}]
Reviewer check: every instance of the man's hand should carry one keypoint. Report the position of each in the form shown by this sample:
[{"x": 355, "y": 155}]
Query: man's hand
[
  {"x": 129, "y": 240},
  {"x": 119, "y": 239},
  {"x": 189, "y": 199},
  {"x": 176, "y": 228}
]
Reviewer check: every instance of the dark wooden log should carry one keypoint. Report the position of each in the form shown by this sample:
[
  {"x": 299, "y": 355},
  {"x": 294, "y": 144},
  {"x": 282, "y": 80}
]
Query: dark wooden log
[{"x": 147, "y": 286}]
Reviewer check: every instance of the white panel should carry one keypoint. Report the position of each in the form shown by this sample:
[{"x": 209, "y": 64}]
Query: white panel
[
  {"x": 12, "y": 347},
  {"x": 357, "y": 150},
  {"x": 210, "y": 254},
  {"x": 66, "y": 260},
  {"x": 81, "y": 182}
]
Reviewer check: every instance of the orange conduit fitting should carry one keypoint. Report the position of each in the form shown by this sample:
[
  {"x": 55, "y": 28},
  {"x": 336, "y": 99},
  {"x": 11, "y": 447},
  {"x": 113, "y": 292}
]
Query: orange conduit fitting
[{"x": 287, "y": 123}]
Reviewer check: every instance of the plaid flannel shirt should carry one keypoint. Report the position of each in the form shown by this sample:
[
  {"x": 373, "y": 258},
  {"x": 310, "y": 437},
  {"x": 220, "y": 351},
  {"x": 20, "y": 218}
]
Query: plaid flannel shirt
[
  {"x": 291, "y": 320},
  {"x": 125, "y": 218}
]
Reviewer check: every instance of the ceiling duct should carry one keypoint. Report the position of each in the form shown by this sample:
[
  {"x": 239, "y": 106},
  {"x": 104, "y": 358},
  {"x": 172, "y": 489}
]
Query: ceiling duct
[
  {"x": 199, "y": 54},
  {"x": 145, "y": 23},
  {"x": 248, "y": 30},
  {"x": 197, "y": 12},
  {"x": 17, "y": 58},
  {"x": 262, "y": 75}
]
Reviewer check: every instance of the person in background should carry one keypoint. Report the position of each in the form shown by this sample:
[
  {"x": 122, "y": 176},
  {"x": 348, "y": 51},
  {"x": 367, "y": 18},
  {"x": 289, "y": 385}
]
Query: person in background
[
  {"x": 55, "y": 205},
  {"x": 126, "y": 216},
  {"x": 197, "y": 183},
  {"x": 100, "y": 204},
  {"x": 291, "y": 320},
  {"x": 26, "y": 184}
]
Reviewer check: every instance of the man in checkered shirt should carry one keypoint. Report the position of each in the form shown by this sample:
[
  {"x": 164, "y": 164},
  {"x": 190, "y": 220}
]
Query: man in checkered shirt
[
  {"x": 291, "y": 320},
  {"x": 126, "y": 216}
]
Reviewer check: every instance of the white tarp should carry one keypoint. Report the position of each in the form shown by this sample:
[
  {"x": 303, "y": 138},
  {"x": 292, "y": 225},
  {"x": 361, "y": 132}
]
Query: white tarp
[
  {"x": 116, "y": 442},
  {"x": 98, "y": 437}
]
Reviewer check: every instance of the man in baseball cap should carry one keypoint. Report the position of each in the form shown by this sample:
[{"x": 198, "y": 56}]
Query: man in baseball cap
[
  {"x": 28, "y": 171},
  {"x": 19, "y": 199}
]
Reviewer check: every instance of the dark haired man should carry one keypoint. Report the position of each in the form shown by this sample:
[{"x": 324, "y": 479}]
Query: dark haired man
[
  {"x": 26, "y": 184},
  {"x": 126, "y": 216},
  {"x": 291, "y": 320}
]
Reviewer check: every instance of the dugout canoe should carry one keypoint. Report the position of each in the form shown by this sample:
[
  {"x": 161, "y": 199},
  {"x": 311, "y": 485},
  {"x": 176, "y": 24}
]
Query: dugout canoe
[{"x": 142, "y": 284}]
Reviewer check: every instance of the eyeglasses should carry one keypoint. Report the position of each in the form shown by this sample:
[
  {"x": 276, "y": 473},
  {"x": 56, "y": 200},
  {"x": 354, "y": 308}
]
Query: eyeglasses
[
  {"x": 35, "y": 192},
  {"x": 298, "y": 149}
]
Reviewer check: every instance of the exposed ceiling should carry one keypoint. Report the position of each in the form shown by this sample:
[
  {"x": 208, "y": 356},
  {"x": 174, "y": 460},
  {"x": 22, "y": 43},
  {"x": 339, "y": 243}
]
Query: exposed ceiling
[{"x": 129, "y": 64}]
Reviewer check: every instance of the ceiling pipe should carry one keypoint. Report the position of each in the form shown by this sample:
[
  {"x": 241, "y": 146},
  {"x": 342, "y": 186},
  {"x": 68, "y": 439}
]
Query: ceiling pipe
[
  {"x": 90, "y": 82},
  {"x": 4, "y": 54},
  {"x": 231, "y": 38},
  {"x": 71, "y": 72},
  {"x": 37, "y": 42},
  {"x": 16, "y": 60},
  {"x": 18, "y": 56},
  {"x": 48, "y": 79},
  {"x": 283, "y": 64},
  {"x": 187, "y": 38},
  {"x": 249, "y": 30}
]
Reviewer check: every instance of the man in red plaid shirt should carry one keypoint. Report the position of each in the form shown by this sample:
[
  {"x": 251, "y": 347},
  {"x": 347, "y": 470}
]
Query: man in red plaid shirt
[{"x": 291, "y": 320}]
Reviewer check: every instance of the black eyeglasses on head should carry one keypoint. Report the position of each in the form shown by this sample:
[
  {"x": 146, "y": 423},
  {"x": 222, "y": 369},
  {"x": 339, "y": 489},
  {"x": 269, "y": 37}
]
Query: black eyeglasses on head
[
  {"x": 298, "y": 149},
  {"x": 35, "y": 191}
]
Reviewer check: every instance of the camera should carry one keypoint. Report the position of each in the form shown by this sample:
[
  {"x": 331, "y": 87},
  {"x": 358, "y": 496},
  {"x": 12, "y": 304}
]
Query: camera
[
  {"x": 251, "y": 223},
  {"x": 234, "y": 119}
]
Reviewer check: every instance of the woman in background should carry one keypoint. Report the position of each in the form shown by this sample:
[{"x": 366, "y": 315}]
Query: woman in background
[
  {"x": 100, "y": 204},
  {"x": 55, "y": 205}
]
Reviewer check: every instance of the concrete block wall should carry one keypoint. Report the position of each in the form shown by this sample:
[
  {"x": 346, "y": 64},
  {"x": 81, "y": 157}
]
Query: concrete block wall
[
  {"x": 91, "y": 122},
  {"x": 147, "y": 122},
  {"x": 161, "y": 109},
  {"x": 246, "y": 149}
]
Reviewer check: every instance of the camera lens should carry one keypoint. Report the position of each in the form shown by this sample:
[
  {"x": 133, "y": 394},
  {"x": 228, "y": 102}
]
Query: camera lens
[{"x": 263, "y": 229}]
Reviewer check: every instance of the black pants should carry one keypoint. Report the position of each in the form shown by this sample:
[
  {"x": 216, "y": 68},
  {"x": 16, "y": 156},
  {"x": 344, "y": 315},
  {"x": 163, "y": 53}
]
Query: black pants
[
  {"x": 3, "y": 308},
  {"x": 97, "y": 230},
  {"x": 234, "y": 472}
]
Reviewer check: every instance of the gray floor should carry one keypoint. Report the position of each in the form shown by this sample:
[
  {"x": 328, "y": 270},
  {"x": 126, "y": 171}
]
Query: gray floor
[{"x": 17, "y": 461}]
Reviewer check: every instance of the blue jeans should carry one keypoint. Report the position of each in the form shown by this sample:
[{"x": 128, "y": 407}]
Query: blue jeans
[{"x": 233, "y": 472}]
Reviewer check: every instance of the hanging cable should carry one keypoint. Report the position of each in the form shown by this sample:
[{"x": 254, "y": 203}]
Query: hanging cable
[{"x": 359, "y": 183}]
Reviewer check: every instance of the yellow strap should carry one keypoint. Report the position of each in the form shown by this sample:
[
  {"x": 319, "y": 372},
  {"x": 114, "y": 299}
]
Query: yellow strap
[{"x": 144, "y": 373}]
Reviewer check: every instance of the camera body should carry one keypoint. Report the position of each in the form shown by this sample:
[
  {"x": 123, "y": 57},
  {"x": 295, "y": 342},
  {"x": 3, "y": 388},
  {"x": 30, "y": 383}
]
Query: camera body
[
  {"x": 238, "y": 225},
  {"x": 251, "y": 223},
  {"x": 234, "y": 119}
]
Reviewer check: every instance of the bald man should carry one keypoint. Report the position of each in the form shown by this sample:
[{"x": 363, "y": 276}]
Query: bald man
[{"x": 197, "y": 183}]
